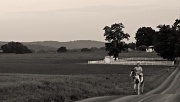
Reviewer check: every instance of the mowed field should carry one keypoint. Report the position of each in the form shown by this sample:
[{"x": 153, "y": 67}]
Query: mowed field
[{"x": 66, "y": 77}]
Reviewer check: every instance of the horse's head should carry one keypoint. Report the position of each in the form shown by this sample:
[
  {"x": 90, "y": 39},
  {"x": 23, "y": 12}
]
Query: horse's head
[{"x": 133, "y": 73}]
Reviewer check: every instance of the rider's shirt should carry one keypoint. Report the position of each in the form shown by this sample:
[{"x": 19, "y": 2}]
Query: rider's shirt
[{"x": 138, "y": 70}]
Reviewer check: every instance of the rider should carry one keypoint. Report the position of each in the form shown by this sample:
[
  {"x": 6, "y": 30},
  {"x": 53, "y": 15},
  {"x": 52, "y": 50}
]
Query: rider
[{"x": 138, "y": 70}]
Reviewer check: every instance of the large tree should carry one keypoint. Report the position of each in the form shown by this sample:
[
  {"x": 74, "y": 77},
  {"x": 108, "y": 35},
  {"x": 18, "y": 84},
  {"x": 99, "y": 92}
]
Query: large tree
[
  {"x": 145, "y": 36},
  {"x": 15, "y": 47},
  {"x": 168, "y": 41},
  {"x": 115, "y": 36}
]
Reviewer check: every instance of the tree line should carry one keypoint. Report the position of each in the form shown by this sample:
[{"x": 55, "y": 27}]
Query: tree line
[
  {"x": 166, "y": 40},
  {"x": 64, "y": 49}
]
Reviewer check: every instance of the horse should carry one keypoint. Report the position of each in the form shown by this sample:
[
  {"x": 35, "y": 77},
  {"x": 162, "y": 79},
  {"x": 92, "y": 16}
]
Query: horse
[{"x": 138, "y": 82}]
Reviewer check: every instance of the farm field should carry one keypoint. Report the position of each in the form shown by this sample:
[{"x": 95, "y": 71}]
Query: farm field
[{"x": 67, "y": 77}]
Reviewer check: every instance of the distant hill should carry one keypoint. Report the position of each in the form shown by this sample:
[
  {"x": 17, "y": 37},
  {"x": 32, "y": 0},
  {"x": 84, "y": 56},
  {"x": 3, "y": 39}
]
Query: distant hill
[
  {"x": 53, "y": 45},
  {"x": 2, "y": 43},
  {"x": 70, "y": 45},
  {"x": 41, "y": 48}
]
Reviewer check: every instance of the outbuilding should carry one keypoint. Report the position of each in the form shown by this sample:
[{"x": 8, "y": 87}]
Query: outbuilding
[{"x": 150, "y": 49}]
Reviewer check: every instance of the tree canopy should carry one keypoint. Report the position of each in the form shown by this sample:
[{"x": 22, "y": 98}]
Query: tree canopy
[
  {"x": 168, "y": 41},
  {"x": 145, "y": 36},
  {"x": 114, "y": 35},
  {"x": 15, "y": 47}
]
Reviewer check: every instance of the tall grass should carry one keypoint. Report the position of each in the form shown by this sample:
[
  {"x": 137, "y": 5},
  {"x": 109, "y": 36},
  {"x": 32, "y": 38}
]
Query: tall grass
[
  {"x": 67, "y": 77},
  {"x": 66, "y": 88}
]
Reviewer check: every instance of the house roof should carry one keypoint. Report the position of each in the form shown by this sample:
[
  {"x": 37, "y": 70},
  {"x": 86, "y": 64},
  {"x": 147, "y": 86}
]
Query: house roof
[{"x": 151, "y": 46}]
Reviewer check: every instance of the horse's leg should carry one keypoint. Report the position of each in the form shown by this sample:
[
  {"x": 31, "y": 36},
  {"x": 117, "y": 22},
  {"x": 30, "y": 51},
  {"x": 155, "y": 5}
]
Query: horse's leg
[
  {"x": 134, "y": 87},
  {"x": 142, "y": 87},
  {"x": 138, "y": 88}
]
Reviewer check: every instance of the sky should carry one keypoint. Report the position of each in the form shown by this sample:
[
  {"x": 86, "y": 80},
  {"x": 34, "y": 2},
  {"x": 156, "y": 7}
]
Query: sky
[{"x": 69, "y": 20}]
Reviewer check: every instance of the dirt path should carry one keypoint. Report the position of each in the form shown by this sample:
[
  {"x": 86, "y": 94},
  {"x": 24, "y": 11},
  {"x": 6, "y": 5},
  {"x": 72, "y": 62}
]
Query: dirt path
[{"x": 168, "y": 91}]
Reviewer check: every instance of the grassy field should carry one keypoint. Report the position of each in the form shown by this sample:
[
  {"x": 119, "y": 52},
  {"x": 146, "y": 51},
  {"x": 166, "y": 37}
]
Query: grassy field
[{"x": 67, "y": 77}]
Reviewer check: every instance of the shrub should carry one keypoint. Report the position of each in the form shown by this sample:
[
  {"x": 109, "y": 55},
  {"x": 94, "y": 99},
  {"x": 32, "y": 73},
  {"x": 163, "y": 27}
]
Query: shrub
[
  {"x": 142, "y": 48},
  {"x": 62, "y": 49},
  {"x": 85, "y": 50}
]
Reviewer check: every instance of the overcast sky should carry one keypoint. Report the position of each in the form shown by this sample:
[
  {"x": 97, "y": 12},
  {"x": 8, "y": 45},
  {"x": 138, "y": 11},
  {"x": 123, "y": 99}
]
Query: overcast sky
[{"x": 68, "y": 20}]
